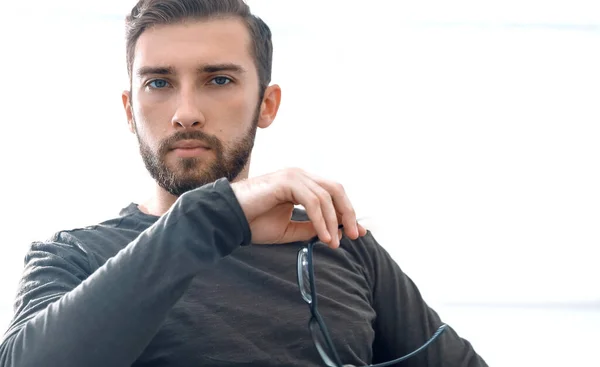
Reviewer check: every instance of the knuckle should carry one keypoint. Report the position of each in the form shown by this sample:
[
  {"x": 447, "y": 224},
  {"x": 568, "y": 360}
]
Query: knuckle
[
  {"x": 314, "y": 201},
  {"x": 296, "y": 170},
  {"x": 339, "y": 188},
  {"x": 324, "y": 196},
  {"x": 292, "y": 173}
]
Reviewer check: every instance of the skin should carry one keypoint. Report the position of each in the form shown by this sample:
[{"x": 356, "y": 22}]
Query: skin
[{"x": 196, "y": 81}]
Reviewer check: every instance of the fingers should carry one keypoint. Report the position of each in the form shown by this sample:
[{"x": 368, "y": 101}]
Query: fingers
[
  {"x": 327, "y": 206},
  {"x": 315, "y": 201},
  {"x": 326, "y": 203},
  {"x": 343, "y": 206},
  {"x": 328, "y": 210},
  {"x": 298, "y": 231},
  {"x": 362, "y": 231}
]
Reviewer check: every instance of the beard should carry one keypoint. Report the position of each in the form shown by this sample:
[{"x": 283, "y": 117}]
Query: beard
[{"x": 193, "y": 172}]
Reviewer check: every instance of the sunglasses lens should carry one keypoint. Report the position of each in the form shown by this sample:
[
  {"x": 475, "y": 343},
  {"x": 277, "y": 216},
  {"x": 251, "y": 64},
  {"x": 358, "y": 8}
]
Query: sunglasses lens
[{"x": 303, "y": 275}]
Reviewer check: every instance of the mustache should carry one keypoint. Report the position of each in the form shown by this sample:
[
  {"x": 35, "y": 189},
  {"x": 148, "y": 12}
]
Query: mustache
[{"x": 210, "y": 140}]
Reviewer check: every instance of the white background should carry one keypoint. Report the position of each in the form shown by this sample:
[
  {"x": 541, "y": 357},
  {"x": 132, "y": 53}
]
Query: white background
[{"x": 468, "y": 131}]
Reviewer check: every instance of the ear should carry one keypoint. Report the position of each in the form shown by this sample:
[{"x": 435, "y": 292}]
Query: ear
[
  {"x": 126, "y": 97},
  {"x": 269, "y": 106}
]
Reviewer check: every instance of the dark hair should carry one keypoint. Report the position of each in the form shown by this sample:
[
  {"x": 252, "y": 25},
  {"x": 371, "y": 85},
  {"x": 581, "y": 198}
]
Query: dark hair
[{"x": 148, "y": 13}]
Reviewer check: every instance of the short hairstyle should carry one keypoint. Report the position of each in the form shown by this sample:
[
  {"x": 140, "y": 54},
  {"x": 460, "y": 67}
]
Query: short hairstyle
[{"x": 148, "y": 13}]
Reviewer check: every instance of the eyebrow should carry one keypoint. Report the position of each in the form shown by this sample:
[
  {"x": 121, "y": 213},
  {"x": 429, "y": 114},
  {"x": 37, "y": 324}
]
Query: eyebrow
[
  {"x": 215, "y": 68},
  {"x": 154, "y": 70},
  {"x": 204, "y": 69}
]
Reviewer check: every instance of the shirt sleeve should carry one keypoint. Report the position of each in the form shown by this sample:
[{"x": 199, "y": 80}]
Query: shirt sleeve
[
  {"x": 66, "y": 316},
  {"x": 404, "y": 321}
]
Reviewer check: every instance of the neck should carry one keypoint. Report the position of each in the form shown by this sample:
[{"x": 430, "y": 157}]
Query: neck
[{"x": 161, "y": 201}]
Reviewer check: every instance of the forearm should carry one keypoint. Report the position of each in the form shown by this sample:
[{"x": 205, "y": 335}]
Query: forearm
[{"x": 108, "y": 319}]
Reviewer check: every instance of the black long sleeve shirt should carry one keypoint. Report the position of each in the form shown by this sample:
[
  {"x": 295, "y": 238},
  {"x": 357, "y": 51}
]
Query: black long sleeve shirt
[{"x": 183, "y": 289}]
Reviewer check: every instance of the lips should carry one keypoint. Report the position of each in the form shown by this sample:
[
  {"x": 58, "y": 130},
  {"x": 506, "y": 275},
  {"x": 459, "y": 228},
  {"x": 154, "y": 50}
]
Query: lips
[{"x": 190, "y": 144}]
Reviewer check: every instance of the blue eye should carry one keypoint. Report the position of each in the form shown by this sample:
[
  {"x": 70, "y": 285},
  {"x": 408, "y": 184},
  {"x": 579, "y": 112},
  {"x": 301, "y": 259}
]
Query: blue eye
[
  {"x": 158, "y": 84},
  {"x": 221, "y": 80}
]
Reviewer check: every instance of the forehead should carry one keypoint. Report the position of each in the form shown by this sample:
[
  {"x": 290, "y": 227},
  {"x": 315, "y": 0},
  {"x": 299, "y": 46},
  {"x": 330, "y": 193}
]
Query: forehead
[{"x": 193, "y": 42}]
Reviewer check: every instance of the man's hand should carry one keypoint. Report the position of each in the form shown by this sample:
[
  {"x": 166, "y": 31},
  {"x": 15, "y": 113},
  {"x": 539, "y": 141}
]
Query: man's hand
[{"x": 268, "y": 202}]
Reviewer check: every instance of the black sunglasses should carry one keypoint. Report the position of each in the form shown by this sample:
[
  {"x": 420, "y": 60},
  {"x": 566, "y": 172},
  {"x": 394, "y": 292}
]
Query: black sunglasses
[{"x": 316, "y": 325}]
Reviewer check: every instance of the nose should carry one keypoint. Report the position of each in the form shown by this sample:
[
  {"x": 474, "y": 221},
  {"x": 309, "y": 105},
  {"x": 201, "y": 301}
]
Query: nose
[{"x": 188, "y": 114}]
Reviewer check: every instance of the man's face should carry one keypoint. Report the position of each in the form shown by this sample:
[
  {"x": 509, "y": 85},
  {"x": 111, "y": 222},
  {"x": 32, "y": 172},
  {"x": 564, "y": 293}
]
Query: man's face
[{"x": 194, "y": 102}]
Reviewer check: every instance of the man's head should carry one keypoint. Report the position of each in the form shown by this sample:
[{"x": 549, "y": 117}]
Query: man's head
[{"x": 199, "y": 87}]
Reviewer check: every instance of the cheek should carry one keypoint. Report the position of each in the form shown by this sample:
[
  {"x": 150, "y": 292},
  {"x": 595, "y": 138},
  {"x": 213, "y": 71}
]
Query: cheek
[
  {"x": 144, "y": 136},
  {"x": 152, "y": 120},
  {"x": 150, "y": 110},
  {"x": 237, "y": 112}
]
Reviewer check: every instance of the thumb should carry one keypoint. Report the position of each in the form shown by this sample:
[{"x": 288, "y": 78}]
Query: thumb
[{"x": 299, "y": 231}]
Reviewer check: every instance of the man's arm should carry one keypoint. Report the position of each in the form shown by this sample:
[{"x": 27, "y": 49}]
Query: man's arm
[
  {"x": 67, "y": 317},
  {"x": 405, "y": 322}
]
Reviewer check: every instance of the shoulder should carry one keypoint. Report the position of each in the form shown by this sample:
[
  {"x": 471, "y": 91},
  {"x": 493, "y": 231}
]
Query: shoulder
[
  {"x": 373, "y": 257},
  {"x": 366, "y": 248},
  {"x": 366, "y": 254},
  {"x": 94, "y": 243}
]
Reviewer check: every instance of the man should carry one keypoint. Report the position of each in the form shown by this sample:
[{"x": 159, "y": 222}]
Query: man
[{"x": 205, "y": 272}]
